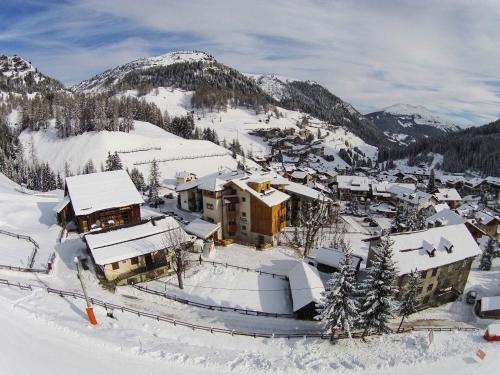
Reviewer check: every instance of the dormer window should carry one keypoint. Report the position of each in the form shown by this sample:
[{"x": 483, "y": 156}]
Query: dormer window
[
  {"x": 449, "y": 249},
  {"x": 431, "y": 253}
]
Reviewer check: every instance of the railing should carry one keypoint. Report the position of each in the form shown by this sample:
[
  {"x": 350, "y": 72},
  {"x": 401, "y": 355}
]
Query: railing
[
  {"x": 183, "y": 158},
  {"x": 138, "y": 150},
  {"x": 284, "y": 277},
  {"x": 232, "y": 332},
  {"x": 31, "y": 259},
  {"x": 184, "y": 301}
]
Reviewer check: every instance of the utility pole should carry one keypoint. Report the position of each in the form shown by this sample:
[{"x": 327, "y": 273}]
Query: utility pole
[{"x": 90, "y": 310}]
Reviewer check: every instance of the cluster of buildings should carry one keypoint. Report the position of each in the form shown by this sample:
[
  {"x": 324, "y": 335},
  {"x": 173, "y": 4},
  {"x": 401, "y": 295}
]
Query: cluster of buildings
[
  {"x": 252, "y": 208},
  {"x": 124, "y": 247}
]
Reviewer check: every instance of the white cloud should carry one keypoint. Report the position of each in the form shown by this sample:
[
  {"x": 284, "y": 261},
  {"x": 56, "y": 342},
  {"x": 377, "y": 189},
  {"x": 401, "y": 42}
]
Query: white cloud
[{"x": 438, "y": 54}]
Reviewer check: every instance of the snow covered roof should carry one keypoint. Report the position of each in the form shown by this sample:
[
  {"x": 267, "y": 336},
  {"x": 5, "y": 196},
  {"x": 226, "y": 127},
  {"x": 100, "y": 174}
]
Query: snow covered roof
[
  {"x": 357, "y": 183},
  {"x": 444, "y": 195},
  {"x": 333, "y": 257},
  {"x": 445, "y": 217},
  {"x": 484, "y": 218},
  {"x": 201, "y": 228},
  {"x": 494, "y": 329},
  {"x": 451, "y": 243},
  {"x": 65, "y": 201},
  {"x": 386, "y": 188},
  {"x": 100, "y": 191},
  {"x": 125, "y": 243},
  {"x": 441, "y": 206},
  {"x": 299, "y": 174},
  {"x": 414, "y": 198},
  {"x": 490, "y": 303},
  {"x": 305, "y": 284},
  {"x": 212, "y": 182},
  {"x": 270, "y": 198}
]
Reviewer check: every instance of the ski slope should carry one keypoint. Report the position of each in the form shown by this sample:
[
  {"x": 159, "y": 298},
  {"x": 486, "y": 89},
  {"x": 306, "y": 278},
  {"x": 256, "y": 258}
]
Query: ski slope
[
  {"x": 235, "y": 123},
  {"x": 173, "y": 153}
]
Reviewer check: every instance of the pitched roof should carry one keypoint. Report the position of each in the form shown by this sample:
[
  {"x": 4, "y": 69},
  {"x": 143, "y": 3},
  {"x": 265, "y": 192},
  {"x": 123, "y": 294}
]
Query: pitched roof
[
  {"x": 444, "y": 195},
  {"x": 100, "y": 191},
  {"x": 305, "y": 284},
  {"x": 445, "y": 217},
  {"x": 125, "y": 243},
  {"x": 270, "y": 198},
  {"x": 356, "y": 183},
  {"x": 411, "y": 250},
  {"x": 201, "y": 228}
]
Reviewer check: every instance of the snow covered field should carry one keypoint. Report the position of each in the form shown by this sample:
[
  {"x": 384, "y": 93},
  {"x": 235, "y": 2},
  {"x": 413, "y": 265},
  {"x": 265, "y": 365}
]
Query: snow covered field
[
  {"x": 195, "y": 156},
  {"x": 48, "y": 334},
  {"x": 30, "y": 215},
  {"x": 229, "y": 287},
  {"x": 15, "y": 252}
]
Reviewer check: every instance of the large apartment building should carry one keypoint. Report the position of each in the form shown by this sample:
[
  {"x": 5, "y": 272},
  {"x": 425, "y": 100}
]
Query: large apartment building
[
  {"x": 443, "y": 256},
  {"x": 251, "y": 208}
]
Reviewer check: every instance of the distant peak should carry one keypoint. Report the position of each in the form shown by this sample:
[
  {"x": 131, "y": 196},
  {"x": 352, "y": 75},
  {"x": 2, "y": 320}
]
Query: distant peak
[{"x": 407, "y": 109}]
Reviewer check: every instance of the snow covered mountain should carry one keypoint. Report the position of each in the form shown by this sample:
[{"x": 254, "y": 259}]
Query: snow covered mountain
[
  {"x": 112, "y": 77},
  {"x": 19, "y": 75},
  {"x": 214, "y": 84},
  {"x": 312, "y": 98},
  {"x": 406, "y": 123}
]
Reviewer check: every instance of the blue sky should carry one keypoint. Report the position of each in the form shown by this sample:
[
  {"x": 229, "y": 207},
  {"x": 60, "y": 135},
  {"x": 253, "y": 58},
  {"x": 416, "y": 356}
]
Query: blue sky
[{"x": 440, "y": 54}]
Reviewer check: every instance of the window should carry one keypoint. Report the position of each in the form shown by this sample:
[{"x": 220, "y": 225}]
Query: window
[
  {"x": 429, "y": 287},
  {"x": 134, "y": 260},
  {"x": 115, "y": 265},
  {"x": 419, "y": 290},
  {"x": 244, "y": 214},
  {"x": 244, "y": 227},
  {"x": 243, "y": 199},
  {"x": 425, "y": 301},
  {"x": 210, "y": 206},
  {"x": 424, "y": 274},
  {"x": 434, "y": 272}
]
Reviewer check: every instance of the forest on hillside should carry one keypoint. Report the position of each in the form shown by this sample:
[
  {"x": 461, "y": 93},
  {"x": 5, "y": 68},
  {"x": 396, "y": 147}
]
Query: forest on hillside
[{"x": 475, "y": 149}]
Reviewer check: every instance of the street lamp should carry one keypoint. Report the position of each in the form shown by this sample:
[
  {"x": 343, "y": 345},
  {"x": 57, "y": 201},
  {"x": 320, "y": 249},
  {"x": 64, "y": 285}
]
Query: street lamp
[{"x": 90, "y": 310}]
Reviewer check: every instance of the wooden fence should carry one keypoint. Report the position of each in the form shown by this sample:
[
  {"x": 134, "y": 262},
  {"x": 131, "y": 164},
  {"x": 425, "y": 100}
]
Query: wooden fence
[
  {"x": 174, "y": 158},
  {"x": 31, "y": 258},
  {"x": 283, "y": 277},
  {"x": 184, "y": 301},
  {"x": 269, "y": 335}
]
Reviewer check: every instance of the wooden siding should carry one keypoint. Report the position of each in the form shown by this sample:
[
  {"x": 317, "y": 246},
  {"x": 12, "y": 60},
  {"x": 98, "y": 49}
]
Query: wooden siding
[
  {"x": 120, "y": 216},
  {"x": 267, "y": 220}
]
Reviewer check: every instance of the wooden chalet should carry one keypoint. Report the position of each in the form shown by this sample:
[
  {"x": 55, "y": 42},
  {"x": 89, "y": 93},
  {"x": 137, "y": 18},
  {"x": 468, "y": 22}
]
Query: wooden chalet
[{"x": 100, "y": 200}]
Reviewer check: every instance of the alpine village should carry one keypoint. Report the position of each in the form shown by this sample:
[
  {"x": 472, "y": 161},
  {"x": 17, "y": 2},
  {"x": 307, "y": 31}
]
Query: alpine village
[{"x": 174, "y": 196}]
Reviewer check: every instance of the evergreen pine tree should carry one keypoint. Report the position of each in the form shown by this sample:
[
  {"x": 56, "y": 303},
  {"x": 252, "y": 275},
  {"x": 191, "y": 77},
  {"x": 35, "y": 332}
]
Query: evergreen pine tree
[
  {"x": 409, "y": 299},
  {"x": 339, "y": 307},
  {"x": 488, "y": 255},
  {"x": 154, "y": 183},
  {"x": 138, "y": 179},
  {"x": 378, "y": 290},
  {"x": 431, "y": 185}
]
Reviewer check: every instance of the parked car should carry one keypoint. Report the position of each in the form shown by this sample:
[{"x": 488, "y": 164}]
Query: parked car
[{"x": 471, "y": 297}]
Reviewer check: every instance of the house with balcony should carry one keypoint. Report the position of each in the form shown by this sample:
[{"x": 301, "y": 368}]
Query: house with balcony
[
  {"x": 100, "y": 200},
  {"x": 443, "y": 256},
  {"x": 136, "y": 253},
  {"x": 253, "y": 211}
]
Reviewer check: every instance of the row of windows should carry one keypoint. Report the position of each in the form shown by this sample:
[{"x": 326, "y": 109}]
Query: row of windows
[{"x": 116, "y": 265}]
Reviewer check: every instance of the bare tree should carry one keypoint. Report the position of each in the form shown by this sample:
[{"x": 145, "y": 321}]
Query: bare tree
[
  {"x": 313, "y": 215},
  {"x": 177, "y": 243}
]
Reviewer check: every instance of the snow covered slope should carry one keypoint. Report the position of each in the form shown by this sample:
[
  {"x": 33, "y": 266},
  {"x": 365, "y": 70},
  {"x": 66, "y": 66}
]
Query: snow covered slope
[
  {"x": 405, "y": 123},
  {"x": 147, "y": 142},
  {"x": 236, "y": 123},
  {"x": 27, "y": 213},
  {"x": 19, "y": 75},
  {"x": 112, "y": 76}
]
